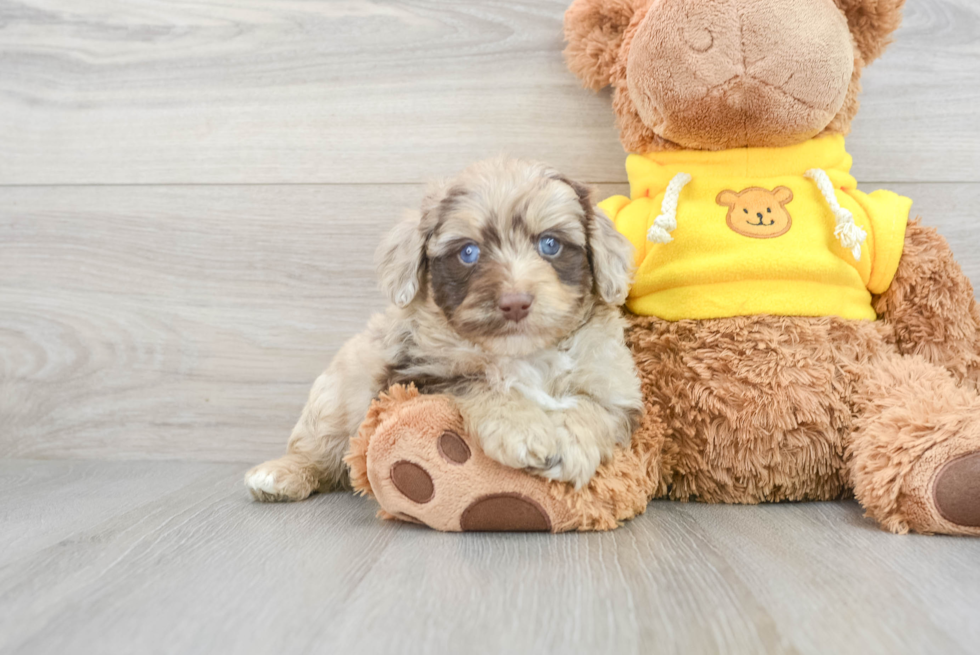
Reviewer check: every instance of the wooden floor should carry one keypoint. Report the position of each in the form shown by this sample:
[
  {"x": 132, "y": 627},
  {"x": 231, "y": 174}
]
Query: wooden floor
[
  {"x": 190, "y": 194},
  {"x": 148, "y": 557}
]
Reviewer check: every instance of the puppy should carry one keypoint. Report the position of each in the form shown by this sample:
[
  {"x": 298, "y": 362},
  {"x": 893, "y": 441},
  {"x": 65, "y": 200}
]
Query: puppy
[{"x": 506, "y": 290}]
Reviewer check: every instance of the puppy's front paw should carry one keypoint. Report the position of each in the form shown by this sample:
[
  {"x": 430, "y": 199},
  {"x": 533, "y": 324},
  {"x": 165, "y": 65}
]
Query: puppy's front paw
[
  {"x": 280, "y": 480},
  {"x": 576, "y": 462},
  {"x": 545, "y": 449},
  {"x": 533, "y": 445}
]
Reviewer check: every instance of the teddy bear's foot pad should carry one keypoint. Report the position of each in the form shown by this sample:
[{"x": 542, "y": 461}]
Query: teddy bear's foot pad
[
  {"x": 505, "y": 512},
  {"x": 956, "y": 491},
  {"x": 413, "y": 481},
  {"x": 500, "y": 512},
  {"x": 421, "y": 467}
]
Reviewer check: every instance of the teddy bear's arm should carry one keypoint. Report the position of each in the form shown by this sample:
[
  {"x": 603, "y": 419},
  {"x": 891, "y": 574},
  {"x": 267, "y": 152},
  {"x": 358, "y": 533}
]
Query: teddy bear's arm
[{"x": 931, "y": 307}]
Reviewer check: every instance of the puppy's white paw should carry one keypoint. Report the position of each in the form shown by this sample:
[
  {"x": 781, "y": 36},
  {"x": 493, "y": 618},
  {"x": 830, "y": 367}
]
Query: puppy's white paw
[
  {"x": 576, "y": 462},
  {"x": 279, "y": 480},
  {"x": 261, "y": 482},
  {"x": 545, "y": 449},
  {"x": 533, "y": 445}
]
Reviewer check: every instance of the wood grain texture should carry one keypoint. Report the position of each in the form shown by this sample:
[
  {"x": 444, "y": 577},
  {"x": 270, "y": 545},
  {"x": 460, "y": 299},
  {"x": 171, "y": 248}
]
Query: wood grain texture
[
  {"x": 281, "y": 91},
  {"x": 162, "y": 321},
  {"x": 45, "y": 503},
  {"x": 193, "y": 566},
  {"x": 189, "y": 322}
]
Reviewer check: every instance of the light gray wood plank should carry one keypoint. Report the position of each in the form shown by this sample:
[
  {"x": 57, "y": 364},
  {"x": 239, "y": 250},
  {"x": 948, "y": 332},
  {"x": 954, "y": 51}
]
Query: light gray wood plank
[
  {"x": 203, "y": 569},
  {"x": 919, "y": 120},
  {"x": 233, "y": 91},
  {"x": 151, "y": 317},
  {"x": 189, "y": 322},
  {"x": 797, "y": 556},
  {"x": 45, "y": 502}
]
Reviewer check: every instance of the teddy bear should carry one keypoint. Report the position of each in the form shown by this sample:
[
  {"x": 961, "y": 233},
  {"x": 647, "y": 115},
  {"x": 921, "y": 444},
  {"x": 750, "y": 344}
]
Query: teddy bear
[{"x": 796, "y": 338}]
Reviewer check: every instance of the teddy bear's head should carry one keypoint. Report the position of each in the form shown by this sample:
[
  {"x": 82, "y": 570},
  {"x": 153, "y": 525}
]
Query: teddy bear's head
[{"x": 716, "y": 74}]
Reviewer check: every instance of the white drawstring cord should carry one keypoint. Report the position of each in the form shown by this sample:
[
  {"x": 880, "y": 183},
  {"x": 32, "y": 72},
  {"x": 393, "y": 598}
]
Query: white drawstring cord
[
  {"x": 847, "y": 232},
  {"x": 666, "y": 223}
]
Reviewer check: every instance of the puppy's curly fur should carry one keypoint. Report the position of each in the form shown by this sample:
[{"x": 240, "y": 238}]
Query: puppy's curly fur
[{"x": 553, "y": 391}]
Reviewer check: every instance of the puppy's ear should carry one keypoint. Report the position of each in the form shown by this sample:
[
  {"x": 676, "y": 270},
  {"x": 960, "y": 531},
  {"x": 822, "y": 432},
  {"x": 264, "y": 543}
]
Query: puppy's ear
[
  {"x": 594, "y": 30},
  {"x": 612, "y": 259},
  {"x": 400, "y": 259},
  {"x": 872, "y": 23},
  {"x": 610, "y": 253}
]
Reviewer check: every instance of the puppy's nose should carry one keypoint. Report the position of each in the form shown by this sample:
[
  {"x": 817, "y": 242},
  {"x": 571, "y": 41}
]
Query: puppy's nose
[
  {"x": 759, "y": 215},
  {"x": 516, "y": 306}
]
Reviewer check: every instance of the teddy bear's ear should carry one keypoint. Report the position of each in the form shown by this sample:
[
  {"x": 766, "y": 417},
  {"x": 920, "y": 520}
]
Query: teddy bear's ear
[
  {"x": 727, "y": 198},
  {"x": 594, "y": 30},
  {"x": 783, "y": 195},
  {"x": 872, "y": 23}
]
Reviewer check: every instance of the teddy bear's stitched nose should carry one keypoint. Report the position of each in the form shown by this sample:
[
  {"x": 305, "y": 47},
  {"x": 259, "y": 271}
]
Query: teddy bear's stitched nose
[{"x": 743, "y": 72}]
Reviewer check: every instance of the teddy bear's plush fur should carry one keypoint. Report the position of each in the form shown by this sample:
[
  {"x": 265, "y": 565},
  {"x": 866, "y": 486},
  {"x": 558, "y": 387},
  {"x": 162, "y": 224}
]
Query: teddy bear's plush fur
[{"x": 759, "y": 408}]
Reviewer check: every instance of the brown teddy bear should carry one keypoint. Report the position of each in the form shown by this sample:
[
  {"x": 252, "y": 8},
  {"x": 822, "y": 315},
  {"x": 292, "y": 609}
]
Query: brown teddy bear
[{"x": 797, "y": 339}]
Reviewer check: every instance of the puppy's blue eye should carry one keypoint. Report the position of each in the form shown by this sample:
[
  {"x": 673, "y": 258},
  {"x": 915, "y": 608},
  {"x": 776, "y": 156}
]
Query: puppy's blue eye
[
  {"x": 470, "y": 253},
  {"x": 549, "y": 246}
]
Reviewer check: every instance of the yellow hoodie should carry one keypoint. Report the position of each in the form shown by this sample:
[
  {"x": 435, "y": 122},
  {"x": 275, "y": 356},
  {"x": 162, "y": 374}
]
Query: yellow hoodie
[{"x": 757, "y": 231}]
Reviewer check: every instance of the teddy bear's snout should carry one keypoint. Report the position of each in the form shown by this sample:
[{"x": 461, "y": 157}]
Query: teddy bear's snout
[{"x": 733, "y": 73}]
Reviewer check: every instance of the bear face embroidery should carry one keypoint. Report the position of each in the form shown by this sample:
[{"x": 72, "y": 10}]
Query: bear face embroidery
[{"x": 758, "y": 213}]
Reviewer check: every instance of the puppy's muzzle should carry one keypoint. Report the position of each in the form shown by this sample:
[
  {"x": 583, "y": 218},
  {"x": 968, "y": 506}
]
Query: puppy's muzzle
[{"x": 516, "y": 306}]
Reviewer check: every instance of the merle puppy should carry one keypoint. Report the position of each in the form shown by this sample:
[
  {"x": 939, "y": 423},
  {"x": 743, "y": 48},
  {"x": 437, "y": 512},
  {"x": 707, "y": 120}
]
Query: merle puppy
[{"x": 506, "y": 290}]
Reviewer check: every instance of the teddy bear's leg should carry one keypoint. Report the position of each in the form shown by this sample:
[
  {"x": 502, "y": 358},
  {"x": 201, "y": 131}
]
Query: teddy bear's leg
[
  {"x": 931, "y": 307},
  {"x": 914, "y": 455},
  {"x": 414, "y": 457}
]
